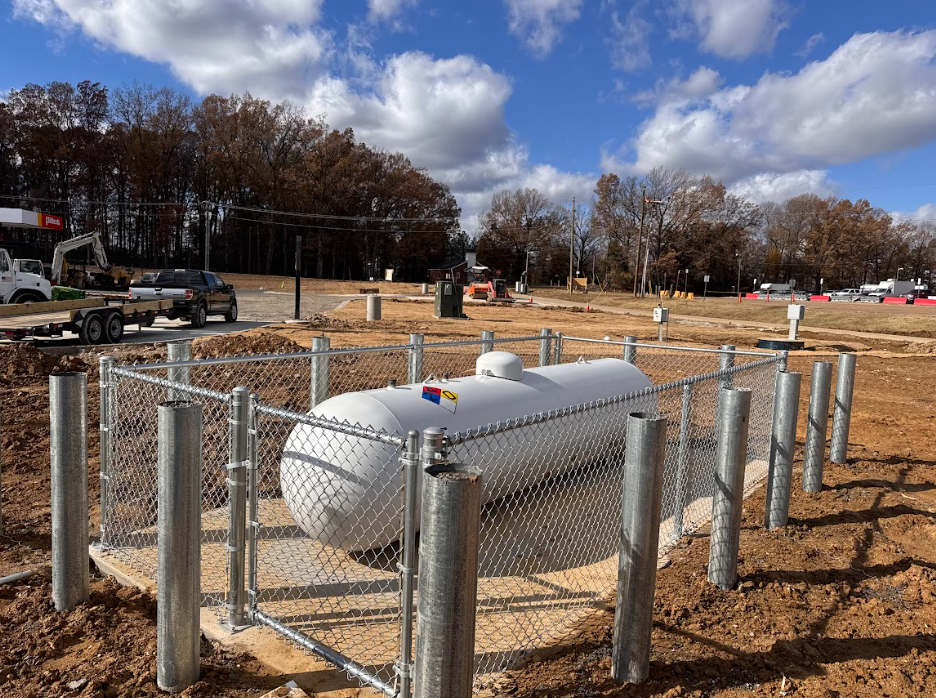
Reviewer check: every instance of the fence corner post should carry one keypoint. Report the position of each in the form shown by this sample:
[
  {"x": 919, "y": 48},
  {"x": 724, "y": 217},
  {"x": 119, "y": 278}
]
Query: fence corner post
[
  {"x": 730, "y": 457},
  {"x": 411, "y": 484},
  {"x": 545, "y": 349},
  {"x": 841, "y": 418},
  {"x": 318, "y": 388},
  {"x": 782, "y": 443},
  {"x": 448, "y": 581},
  {"x": 638, "y": 547},
  {"x": 237, "y": 508},
  {"x": 68, "y": 446},
  {"x": 179, "y": 545},
  {"x": 817, "y": 426}
]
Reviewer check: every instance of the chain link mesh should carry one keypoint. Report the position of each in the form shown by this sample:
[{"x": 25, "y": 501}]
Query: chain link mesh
[{"x": 549, "y": 529}]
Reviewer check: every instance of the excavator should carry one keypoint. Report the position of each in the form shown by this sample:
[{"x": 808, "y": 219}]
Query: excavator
[{"x": 108, "y": 278}]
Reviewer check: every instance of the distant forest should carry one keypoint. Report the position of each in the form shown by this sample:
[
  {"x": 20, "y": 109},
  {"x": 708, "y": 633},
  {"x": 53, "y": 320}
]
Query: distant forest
[{"x": 159, "y": 176}]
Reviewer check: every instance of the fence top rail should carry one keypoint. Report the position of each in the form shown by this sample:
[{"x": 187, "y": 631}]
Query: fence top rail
[
  {"x": 311, "y": 420},
  {"x": 249, "y": 358},
  {"x": 643, "y": 345},
  {"x": 635, "y": 396}
]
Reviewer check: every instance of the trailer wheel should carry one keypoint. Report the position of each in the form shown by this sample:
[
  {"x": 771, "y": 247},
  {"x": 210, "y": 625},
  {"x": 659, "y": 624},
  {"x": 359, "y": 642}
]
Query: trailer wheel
[
  {"x": 114, "y": 328},
  {"x": 92, "y": 330}
]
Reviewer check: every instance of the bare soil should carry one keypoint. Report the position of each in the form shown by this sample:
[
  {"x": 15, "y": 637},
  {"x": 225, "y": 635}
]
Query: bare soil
[{"x": 839, "y": 603}]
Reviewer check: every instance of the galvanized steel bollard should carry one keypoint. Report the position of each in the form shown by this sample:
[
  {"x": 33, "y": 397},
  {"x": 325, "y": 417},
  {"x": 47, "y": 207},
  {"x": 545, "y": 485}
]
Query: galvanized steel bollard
[
  {"x": 237, "y": 507},
  {"x": 179, "y": 545},
  {"x": 841, "y": 419},
  {"x": 730, "y": 457},
  {"x": 487, "y": 343},
  {"x": 415, "y": 364},
  {"x": 639, "y": 545},
  {"x": 373, "y": 308},
  {"x": 782, "y": 443},
  {"x": 545, "y": 350},
  {"x": 179, "y": 351},
  {"x": 817, "y": 425},
  {"x": 68, "y": 402},
  {"x": 682, "y": 461},
  {"x": 318, "y": 388},
  {"x": 448, "y": 581},
  {"x": 105, "y": 427},
  {"x": 411, "y": 482},
  {"x": 630, "y": 349}
]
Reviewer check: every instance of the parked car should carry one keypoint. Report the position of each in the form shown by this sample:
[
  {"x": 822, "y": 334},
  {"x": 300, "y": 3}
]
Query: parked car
[{"x": 195, "y": 294}]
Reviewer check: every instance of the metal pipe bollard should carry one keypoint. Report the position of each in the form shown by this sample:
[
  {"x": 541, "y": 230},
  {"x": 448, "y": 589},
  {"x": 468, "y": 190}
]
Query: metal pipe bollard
[
  {"x": 639, "y": 545},
  {"x": 415, "y": 365},
  {"x": 68, "y": 402},
  {"x": 411, "y": 483},
  {"x": 682, "y": 461},
  {"x": 105, "y": 426},
  {"x": 782, "y": 444},
  {"x": 318, "y": 388},
  {"x": 179, "y": 545},
  {"x": 730, "y": 457},
  {"x": 630, "y": 349},
  {"x": 373, "y": 308},
  {"x": 448, "y": 581},
  {"x": 545, "y": 350},
  {"x": 841, "y": 419},
  {"x": 817, "y": 426},
  {"x": 487, "y": 343},
  {"x": 179, "y": 351},
  {"x": 237, "y": 507}
]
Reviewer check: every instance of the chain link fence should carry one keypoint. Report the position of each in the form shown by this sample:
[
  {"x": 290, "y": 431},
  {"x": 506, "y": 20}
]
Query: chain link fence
[{"x": 326, "y": 549}]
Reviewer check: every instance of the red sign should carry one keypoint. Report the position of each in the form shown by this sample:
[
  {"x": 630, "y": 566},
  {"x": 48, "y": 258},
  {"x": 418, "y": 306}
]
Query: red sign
[{"x": 51, "y": 222}]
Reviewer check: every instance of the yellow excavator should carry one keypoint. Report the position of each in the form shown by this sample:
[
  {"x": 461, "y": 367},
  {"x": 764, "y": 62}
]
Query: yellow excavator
[{"x": 110, "y": 277}]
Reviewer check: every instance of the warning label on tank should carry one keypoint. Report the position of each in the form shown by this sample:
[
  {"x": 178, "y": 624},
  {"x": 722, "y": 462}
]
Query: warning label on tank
[{"x": 443, "y": 398}]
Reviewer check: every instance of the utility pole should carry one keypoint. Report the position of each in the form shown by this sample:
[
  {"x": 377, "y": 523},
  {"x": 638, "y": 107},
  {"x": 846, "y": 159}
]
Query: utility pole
[
  {"x": 571, "y": 246},
  {"x": 643, "y": 202}
]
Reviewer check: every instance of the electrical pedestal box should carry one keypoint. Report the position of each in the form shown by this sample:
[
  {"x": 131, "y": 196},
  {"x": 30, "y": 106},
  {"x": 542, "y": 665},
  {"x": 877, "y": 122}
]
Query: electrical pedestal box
[{"x": 448, "y": 299}]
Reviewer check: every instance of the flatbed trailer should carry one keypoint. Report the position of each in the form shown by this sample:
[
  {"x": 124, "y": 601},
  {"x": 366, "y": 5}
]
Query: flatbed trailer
[{"x": 94, "y": 320}]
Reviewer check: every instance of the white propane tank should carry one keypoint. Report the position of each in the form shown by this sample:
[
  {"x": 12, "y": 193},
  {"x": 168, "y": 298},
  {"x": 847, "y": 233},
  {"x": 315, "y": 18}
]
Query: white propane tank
[{"x": 345, "y": 490}]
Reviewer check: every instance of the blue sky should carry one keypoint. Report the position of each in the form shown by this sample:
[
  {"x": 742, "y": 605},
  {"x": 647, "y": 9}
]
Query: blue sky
[{"x": 773, "y": 97}]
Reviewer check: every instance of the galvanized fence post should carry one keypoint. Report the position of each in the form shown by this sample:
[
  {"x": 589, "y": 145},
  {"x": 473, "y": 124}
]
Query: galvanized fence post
[
  {"x": 178, "y": 544},
  {"x": 407, "y": 567},
  {"x": 253, "y": 521},
  {"x": 682, "y": 461},
  {"x": 630, "y": 349},
  {"x": 448, "y": 581},
  {"x": 730, "y": 456},
  {"x": 557, "y": 354},
  {"x": 638, "y": 547},
  {"x": 817, "y": 426},
  {"x": 105, "y": 426},
  {"x": 486, "y": 341},
  {"x": 179, "y": 351},
  {"x": 782, "y": 443},
  {"x": 237, "y": 506},
  {"x": 415, "y": 365},
  {"x": 318, "y": 388},
  {"x": 545, "y": 349},
  {"x": 68, "y": 401},
  {"x": 841, "y": 419}
]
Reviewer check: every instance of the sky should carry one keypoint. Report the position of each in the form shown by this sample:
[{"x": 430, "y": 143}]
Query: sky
[{"x": 773, "y": 97}]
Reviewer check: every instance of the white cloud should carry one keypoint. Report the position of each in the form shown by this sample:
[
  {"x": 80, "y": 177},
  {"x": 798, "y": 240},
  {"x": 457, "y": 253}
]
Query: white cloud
[
  {"x": 539, "y": 23},
  {"x": 875, "y": 94},
  {"x": 771, "y": 186},
  {"x": 379, "y": 10},
  {"x": 732, "y": 28}
]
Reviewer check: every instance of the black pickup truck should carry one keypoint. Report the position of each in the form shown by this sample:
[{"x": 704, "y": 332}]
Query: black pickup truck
[{"x": 194, "y": 294}]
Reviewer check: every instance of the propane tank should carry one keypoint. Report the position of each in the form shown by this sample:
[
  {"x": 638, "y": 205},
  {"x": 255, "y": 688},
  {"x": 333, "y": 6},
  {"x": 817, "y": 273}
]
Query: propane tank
[{"x": 345, "y": 491}]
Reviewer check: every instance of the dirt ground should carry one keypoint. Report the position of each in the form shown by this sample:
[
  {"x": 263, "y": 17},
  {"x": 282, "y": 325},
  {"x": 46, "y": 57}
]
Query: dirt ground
[{"x": 839, "y": 603}]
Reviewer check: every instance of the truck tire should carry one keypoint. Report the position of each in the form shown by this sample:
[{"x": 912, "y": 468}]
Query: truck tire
[
  {"x": 114, "y": 328},
  {"x": 231, "y": 315},
  {"x": 92, "y": 330},
  {"x": 200, "y": 317}
]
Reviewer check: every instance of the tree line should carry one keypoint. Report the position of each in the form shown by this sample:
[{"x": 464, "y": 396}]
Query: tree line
[
  {"x": 162, "y": 177},
  {"x": 683, "y": 227}
]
